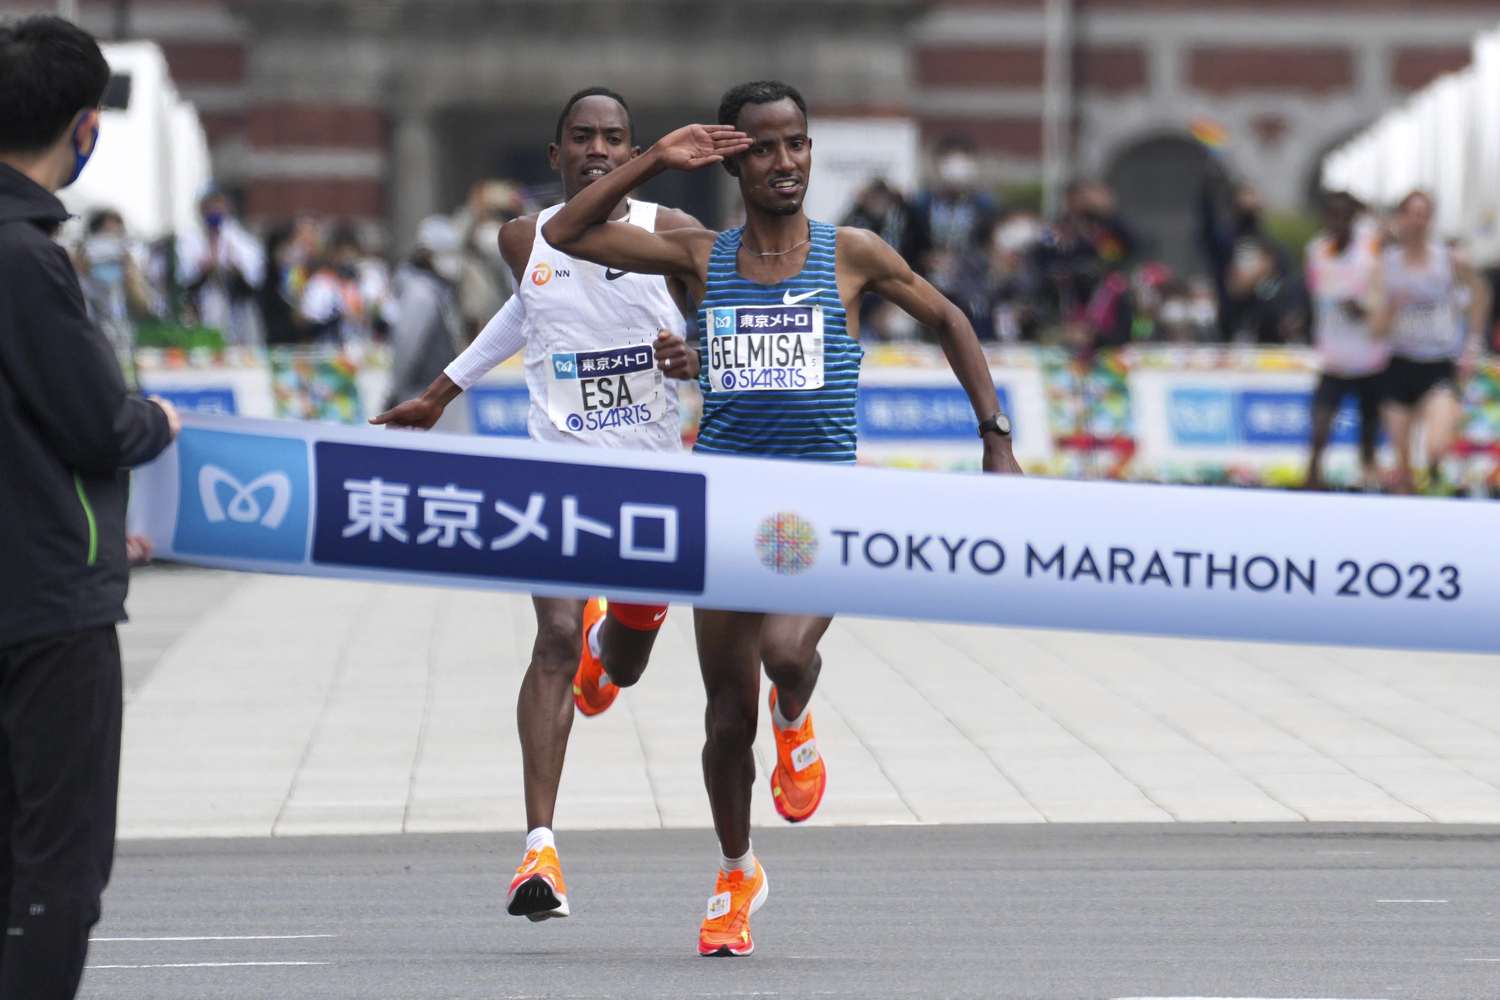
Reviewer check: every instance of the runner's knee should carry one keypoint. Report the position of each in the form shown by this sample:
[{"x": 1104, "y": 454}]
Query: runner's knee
[
  {"x": 789, "y": 667},
  {"x": 559, "y": 643},
  {"x": 731, "y": 723},
  {"x": 623, "y": 669}
]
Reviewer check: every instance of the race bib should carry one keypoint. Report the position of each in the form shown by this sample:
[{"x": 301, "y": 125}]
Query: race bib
[
  {"x": 765, "y": 348},
  {"x": 600, "y": 390},
  {"x": 1427, "y": 324}
]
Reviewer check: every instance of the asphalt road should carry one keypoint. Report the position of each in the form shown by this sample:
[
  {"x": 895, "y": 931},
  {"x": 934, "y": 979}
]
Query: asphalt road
[{"x": 1052, "y": 912}]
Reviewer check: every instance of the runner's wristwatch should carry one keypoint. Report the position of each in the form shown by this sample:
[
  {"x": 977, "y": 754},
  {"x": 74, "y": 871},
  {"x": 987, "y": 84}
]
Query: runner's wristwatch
[{"x": 998, "y": 424}]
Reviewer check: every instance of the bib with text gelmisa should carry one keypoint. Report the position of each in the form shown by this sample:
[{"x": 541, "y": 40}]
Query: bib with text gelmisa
[
  {"x": 765, "y": 348},
  {"x": 602, "y": 390}
]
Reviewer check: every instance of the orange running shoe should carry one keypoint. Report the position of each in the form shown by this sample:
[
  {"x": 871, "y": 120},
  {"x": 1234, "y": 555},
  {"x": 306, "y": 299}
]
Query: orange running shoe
[
  {"x": 538, "y": 892},
  {"x": 726, "y": 929},
  {"x": 593, "y": 691},
  {"x": 798, "y": 783}
]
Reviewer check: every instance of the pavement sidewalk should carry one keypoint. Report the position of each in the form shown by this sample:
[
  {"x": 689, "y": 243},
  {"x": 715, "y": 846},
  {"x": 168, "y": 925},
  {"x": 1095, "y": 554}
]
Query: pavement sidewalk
[{"x": 262, "y": 705}]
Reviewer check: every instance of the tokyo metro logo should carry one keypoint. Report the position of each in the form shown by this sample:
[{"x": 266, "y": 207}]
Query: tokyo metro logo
[
  {"x": 242, "y": 496},
  {"x": 244, "y": 502},
  {"x": 786, "y": 543}
]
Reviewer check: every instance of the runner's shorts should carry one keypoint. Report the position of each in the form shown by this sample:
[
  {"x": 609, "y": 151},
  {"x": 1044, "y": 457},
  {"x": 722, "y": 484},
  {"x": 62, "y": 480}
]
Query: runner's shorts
[
  {"x": 1366, "y": 388},
  {"x": 641, "y": 617},
  {"x": 1407, "y": 381}
]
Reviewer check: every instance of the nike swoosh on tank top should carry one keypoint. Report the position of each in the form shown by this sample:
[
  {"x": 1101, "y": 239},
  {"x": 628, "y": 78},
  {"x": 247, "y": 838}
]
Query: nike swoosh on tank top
[{"x": 780, "y": 371}]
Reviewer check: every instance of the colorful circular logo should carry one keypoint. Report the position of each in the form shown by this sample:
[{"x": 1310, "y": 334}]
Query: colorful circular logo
[
  {"x": 541, "y": 274},
  {"x": 786, "y": 543}
]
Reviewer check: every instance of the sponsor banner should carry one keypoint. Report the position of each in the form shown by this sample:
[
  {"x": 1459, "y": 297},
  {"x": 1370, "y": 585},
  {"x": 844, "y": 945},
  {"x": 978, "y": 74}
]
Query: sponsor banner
[
  {"x": 1255, "y": 422},
  {"x": 922, "y": 418},
  {"x": 1165, "y": 414},
  {"x": 233, "y": 391},
  {"x": 809, "y": 538},
  {"x": 499, "y": 409}
]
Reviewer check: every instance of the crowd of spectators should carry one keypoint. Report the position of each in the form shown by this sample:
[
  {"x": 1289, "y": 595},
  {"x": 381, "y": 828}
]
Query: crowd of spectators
[
  {"x": 1085, "y": 278},
  {"x": 308, "y": 281}
]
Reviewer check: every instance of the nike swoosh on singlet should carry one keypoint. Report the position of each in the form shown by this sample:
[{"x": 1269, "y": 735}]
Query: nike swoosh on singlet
[
  {"x": 610, "y": 274},
  {"x": 788, "y": 299}
]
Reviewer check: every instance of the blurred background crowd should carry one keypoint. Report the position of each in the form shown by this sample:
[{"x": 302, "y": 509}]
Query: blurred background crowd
[
  {"x": 1109, "y": 189},
  {"x": 1085, "y": 278}
]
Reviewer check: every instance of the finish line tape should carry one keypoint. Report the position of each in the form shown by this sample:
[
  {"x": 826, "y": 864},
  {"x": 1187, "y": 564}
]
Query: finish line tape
[{"x": 752, "y": 534}]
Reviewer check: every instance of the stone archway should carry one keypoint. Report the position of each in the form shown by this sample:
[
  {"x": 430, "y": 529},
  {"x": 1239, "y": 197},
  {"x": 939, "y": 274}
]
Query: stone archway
[{"x": 1159, "y": 181}]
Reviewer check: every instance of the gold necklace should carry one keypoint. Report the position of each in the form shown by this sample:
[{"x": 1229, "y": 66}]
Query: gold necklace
[{"x": 778, "y": 253}]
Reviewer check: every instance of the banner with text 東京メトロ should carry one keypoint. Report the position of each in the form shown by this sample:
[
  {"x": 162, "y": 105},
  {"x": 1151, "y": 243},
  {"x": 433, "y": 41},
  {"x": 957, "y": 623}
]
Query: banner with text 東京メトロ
[{"x": 807, "y": 538}]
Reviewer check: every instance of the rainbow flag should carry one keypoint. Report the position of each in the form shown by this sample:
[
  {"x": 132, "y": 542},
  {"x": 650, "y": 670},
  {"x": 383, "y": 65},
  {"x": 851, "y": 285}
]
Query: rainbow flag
[{"x": 1209, "y": 132}]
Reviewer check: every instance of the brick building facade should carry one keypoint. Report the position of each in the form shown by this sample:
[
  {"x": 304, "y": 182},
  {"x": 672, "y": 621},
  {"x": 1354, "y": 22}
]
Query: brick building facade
[{"x": 383, "y": 109}]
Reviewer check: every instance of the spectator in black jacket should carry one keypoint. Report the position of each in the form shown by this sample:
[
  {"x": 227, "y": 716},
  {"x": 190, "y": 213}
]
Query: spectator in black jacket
[{"x": 67, "y": 429}]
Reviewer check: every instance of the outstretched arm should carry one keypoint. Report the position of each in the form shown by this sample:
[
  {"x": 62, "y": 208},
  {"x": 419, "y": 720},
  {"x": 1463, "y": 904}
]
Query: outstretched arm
[
  {"x": 881, "y": 270},
  {"x": 582, "y": 229},
  {"x": 1479, "y": 311}
]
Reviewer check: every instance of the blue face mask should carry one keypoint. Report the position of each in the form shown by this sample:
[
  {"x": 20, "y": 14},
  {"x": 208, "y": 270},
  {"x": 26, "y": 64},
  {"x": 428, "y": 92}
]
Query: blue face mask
[{"x": 80, "y": 158}]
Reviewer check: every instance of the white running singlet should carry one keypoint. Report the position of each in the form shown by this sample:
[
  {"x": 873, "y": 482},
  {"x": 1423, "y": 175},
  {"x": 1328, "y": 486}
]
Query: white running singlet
[
  {"x": 1427, "y": 325},
  {"x": 589, "y": 361},
  {"x": 1346, "y": 345}
]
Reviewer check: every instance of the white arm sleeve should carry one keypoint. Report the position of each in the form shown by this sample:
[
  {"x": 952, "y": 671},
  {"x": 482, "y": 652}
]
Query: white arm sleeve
[{"x": 502, "y": 336}]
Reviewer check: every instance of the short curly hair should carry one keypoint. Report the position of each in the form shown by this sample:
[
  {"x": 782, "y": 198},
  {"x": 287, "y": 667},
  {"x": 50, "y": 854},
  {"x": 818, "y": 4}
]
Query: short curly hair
[
  {"x": 758, "y": 92},
  {"x": 562, "y": 119}
]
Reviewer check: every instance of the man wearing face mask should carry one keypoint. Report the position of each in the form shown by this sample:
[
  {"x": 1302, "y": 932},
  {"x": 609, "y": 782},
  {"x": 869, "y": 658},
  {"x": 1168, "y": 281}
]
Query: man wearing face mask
[
  {"x": 486, "y": 281},
  {"x": 335, "y": 307},
  {"x": 427, "y": 333},
  {"x": 114, "y": 287},
  {"x": 68, "y": 429},
  {"x": 947, "y": 220},
  {"x": 222, "y": 270}
]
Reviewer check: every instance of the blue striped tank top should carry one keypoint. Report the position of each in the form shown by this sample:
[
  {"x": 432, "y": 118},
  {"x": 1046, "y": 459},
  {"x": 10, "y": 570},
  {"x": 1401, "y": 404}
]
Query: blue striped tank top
[{"x": 765, "y": 350}]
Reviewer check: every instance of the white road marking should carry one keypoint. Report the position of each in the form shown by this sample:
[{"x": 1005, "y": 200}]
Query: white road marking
[
  {"x": 1346, "y": 852},
  {"x": 1411, "y": 901},
  {"x": 1482, "y": 960},
  {"x": 1226, "y": 998},
  {"x": 199, "y": 965},
  {"x": 226, "y": 937}
]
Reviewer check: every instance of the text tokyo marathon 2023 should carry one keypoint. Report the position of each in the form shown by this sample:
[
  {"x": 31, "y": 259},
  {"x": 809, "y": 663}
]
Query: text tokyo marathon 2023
[{"x": 1125, "y": 566}]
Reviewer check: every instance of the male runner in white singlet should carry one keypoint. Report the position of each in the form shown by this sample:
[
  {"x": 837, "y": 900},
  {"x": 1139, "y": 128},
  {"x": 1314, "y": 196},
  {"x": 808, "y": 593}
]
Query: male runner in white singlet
[{"x": 571, "y": 316}]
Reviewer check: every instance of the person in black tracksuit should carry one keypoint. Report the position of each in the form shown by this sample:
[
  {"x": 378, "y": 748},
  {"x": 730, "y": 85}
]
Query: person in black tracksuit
[{"x": 67, "y": 430}]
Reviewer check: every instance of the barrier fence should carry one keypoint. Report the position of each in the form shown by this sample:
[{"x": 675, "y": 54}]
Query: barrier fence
[{"x": 1163, "y": 414}]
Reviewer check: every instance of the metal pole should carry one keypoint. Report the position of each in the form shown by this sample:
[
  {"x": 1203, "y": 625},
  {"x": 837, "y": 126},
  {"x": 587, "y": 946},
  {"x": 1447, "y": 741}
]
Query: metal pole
[
  {"x": 122, "y": 20},
  {"x": 1057, "y": 104},
  {"x": 68, "y": 9}
]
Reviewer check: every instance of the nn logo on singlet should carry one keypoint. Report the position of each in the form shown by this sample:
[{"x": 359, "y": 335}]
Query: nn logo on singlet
[{"x": 543, "y": 273}]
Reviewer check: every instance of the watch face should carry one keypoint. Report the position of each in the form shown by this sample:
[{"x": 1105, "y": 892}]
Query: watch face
[{"x": 1002, "y": 422}]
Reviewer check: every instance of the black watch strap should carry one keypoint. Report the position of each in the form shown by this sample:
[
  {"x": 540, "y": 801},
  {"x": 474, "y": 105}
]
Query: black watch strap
[{"x": 998, "y": 424}]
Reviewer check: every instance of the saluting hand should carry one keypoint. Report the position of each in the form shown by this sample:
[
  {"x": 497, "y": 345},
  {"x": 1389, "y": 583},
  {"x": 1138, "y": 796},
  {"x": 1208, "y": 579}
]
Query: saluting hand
[
  {"x": 675, "y": 357},
  {"x": 695, "y": 146}
]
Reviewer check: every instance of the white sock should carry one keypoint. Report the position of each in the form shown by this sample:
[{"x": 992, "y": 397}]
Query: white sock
[
  {"x": 539, "y": 838},
  {"x": 782, "y": 722},
  {"x": 744, "y": 864},
  {"x": 593, "y": 638}
]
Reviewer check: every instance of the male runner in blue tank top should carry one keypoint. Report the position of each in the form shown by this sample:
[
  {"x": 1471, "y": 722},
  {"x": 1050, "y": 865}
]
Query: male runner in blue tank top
[{"x": 794, "y": 284}]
